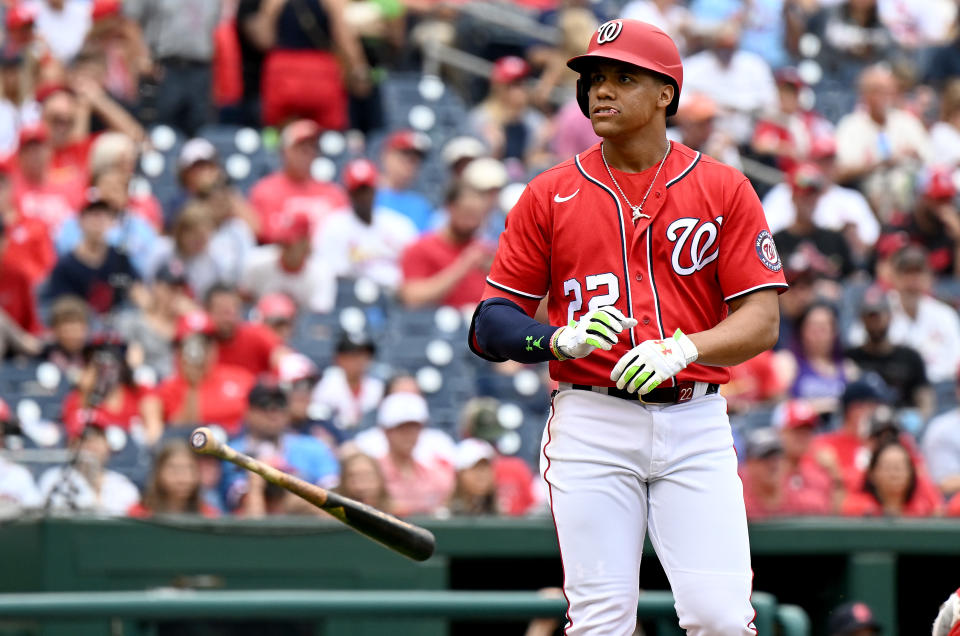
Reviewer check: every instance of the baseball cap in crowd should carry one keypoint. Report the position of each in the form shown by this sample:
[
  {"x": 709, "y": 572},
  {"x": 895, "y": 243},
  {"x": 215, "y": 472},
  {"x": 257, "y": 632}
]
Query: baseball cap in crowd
[
  {"x": 173, "y": 272},
  {"x": 93, "y": 200},
  {"x": 911, "y": 258},
  {"x": 350, "y": 341},
  {"x": 20, "y": 15},
  {"x": 194, "y": 322},
  {"x": 195, "y": 151},
  {"x": 851, "y": 617},
  {"x": 697, "y": 108},
  {"x": 789, "y": 75},
  {"x": 471, "y": 451},
  {"x": 293, "y": 228},
  {"x": 485, "y": 173},
  {"x": 407, "y": 140},
  {"x": 869, "y": 387},
  {"x": 295, "y": 367},
  {"x": 400, "y": 408},
  {"x": 874, "y": 301},
  {"x": 276, "y": 306},
  {"x": 823, "y": 147},
  {"x": 890, "y": 243},
  {"x": 36, "y": 132},
  {"x": 807, "y": 177},
  {"x": 795, "y": 414},
  {"x": 763, "y": 443},
  {"x": 300, "y": 130},
  {"x": 462, "y": 147},
  {"x": 47, "y": 90},
  {"x": 105, "y": 9},
  {"x": 267, "y": 396},
  {"x": 509, "y": 69},
  {"x": 358, "y": 173},
  {"x": 936, "y": 183}
]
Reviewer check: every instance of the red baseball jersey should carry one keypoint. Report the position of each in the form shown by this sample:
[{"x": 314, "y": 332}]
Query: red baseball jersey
[{"x": 702, "y": 241}]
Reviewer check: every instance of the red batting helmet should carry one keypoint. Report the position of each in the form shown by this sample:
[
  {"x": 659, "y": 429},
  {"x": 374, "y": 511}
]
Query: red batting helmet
[{"x": 633, "y": 42}]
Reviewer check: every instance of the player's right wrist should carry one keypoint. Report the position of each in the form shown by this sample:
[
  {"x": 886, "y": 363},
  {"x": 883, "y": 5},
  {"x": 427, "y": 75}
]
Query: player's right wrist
[{"x": 555, "y": 346}]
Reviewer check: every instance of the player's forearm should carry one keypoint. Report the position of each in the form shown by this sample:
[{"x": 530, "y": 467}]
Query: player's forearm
[
  {"x": 751, "y": 328},
  {"x": 504, "y": 331}
]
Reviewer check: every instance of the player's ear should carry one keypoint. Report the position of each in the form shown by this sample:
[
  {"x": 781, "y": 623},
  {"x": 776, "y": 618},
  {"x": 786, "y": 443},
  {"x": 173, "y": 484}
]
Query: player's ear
[{"x": 666, "y": 94}]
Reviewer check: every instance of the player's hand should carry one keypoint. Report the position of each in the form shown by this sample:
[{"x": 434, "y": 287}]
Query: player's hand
[
  {"x": 599, "y": 329},
  {"x": 644, "y": 367}
]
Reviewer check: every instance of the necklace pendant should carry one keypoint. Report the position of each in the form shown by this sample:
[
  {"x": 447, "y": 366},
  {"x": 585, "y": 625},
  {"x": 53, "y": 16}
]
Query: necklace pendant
[{"x": 637, "y": 214}]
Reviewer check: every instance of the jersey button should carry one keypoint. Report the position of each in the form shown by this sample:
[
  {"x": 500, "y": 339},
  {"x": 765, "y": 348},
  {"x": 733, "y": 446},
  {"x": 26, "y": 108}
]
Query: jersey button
[
  {"x": 639, "y": 277},
  {"x": 646, "y": 320}
]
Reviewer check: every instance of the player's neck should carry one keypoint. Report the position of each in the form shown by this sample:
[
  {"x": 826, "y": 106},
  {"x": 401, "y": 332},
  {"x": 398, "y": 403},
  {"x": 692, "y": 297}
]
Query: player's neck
[{"x": 638, "y": 151}]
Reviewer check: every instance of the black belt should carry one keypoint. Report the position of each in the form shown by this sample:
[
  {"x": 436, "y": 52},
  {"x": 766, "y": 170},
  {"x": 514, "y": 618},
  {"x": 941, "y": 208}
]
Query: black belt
[{"x": 682, "y": 392}]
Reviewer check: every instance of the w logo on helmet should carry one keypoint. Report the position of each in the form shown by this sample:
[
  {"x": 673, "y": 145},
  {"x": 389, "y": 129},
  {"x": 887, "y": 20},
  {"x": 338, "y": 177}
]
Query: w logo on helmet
[{"x": 609, "y": 31}]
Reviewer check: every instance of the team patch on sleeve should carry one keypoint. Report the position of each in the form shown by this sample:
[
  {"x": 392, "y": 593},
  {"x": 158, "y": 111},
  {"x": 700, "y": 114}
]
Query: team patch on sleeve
[{"x": 767, "y": 251}]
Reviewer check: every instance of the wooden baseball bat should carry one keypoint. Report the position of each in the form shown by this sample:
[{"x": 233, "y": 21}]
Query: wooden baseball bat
[{"x": 409, "y": 540}]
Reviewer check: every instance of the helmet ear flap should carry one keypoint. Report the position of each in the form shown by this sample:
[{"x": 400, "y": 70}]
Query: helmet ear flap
[{"x": 583, "y": 96}]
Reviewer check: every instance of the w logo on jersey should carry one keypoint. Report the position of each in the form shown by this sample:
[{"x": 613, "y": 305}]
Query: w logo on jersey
[{"x": 701, "y": 237}]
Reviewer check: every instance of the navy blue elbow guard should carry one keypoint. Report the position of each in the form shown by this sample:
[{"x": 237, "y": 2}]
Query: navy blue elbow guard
[{"x": 500, "y": 330}]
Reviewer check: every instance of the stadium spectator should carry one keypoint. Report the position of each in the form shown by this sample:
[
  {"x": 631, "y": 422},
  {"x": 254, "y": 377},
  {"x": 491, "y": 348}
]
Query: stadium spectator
[
  {"x": 241, "y": 343},
  {"x": 347, "y": 390},
  {"x": 69, "y": 330},
  {"x": 97, "y": 109},
  {"x": 36, "y": 194},
  {"x": 150, "y": 329},
  {"x": 921, "y": 321},
  {"x": 179, "y": 35},
  {"x": 797, "y": 423},
  {"x": 86, "y": 484},
  {"x": 807, "y": 284},
  {"x": 107, "y": 393},
  {"x": 808, "y": 184},
  {"x": 119, "y": 42},
  {"x": 820, "y": 376},
  {"x": 853, "y": 619},
  {"x": 19, "y": 319},
  {"x": 63, "y": 25},
  {"x": 852, "y": 38},
  {"x": 879, "y": 146},
  {"x": 401, "y": 159},
  {"x": 890, "y": 487},
  {"x": 838, "y": 208},
  {"x": 843, "y": 453},
  {"x": 505, "y": 120},
  {"x": 198, "y": 168},
  {"x": 313, "y": 59},
  {"x": 115, "y": 151},
  {"x": 449, "y": 266},
  {"x": 278, "y": 312},
  {"x": 475, "y": 493},
  {"x": 487, "y": 176},
  {"x": 671, "y": 16},
  {"x": 19, "y": 20},
  {"x": 131, "y": 233},
  {"x": 901, "y": 367},
  {"x": 555, "y": 84},
  {"x": 293, "y": 190},
  {"x": 760, "y": 381},
  {"x": 27, "y": 240},
  {"x": 788, "y": 133},
  {"x": 201, "y": 389},
  {"x": 94, "y": 270},
  {"x": 695, "y": 128},
  {"x": 17, "y": 486},
  {"x": 17, "y": 105},
  {"x": 189, "y": 245},
  {"x": 234, "y": 221},
  {"x": 740, "y": 82},
  {"x": 919, "y": 24},
  {"x": 768, "y": 490},
  {"x": 934, "y": 220},
  {"x": 367, "y": 243},
  {"x": 362, "y": 480},
  {"x": 572, "y": 132},
  {"x": 460, "y": 151},
  {"x": 291, "y": 267},
  {"x": 414, "y": 487},
  {"x": 174, "y": 484},
  {"x": 945, "y": 133},
  {"x": 267, "y": 436},
  {"x": 941, "y": 449},
  {"x": 297, "y": 375}
]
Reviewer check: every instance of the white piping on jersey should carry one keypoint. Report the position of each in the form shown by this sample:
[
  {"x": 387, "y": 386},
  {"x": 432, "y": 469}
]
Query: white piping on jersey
[
  {"x": 753, "y": 289},
  {"x": 685, "y": 172},
  {"x": 512, "y": 290},
  {"x": 623, "y": 242},
  {"x": 653, "y": 288}
]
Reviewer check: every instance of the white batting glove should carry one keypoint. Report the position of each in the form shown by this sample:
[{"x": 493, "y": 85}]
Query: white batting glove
[
  {"x": 644, "y": 367},
  {"x": 598, "y": 329}
]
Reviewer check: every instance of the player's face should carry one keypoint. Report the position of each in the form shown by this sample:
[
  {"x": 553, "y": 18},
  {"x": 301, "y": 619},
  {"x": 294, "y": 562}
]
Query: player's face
[{"x": 625, "y": 98}]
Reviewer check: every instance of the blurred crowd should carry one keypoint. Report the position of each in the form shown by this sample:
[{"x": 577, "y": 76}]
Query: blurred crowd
[{"x": 253, "y": 214}]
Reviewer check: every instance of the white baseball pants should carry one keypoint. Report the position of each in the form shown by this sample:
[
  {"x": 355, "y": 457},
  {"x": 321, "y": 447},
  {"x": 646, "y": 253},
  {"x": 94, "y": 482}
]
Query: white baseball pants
[{"x": 616, "y": 469}]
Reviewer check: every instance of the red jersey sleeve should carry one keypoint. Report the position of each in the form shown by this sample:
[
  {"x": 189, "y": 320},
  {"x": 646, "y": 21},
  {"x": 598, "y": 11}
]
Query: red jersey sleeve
[
  {"x": 748, "y": 260},
  {"x": 521, "y": 267}
]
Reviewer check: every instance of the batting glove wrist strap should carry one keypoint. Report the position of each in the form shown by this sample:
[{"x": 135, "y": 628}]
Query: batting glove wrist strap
[
  {"x": 598, "y": 329},
  {"x": 554, "y": 349},
  {"x": 644, "y": 367}
]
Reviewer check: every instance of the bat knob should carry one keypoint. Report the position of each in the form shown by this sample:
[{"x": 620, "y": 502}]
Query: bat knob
[{"x": 201, "y": 438}]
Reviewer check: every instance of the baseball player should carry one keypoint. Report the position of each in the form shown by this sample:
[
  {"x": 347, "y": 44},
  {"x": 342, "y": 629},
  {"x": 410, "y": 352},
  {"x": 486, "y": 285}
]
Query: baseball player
[{"x": 661, "y": 271}]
